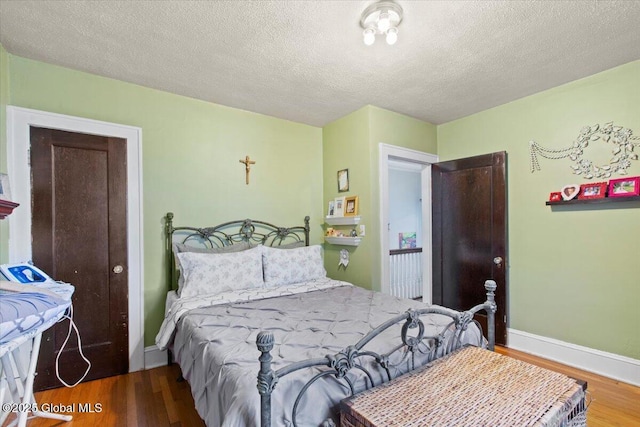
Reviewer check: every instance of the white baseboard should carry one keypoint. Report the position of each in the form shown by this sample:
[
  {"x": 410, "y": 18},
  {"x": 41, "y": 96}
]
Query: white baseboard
[
  {"x": 154, "y": 357},
  {"x": 610, "y": 365}
]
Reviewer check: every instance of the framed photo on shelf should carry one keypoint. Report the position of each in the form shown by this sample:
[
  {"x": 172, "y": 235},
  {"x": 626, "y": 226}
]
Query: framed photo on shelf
[
  {"x": 343, "y": 180},
  {"x": 5, "y": 192},
  {"x": 569, "y": 192},
  {"x": 332, "y": 207},
  {"x": 351, "y": 206},
  {"x": 624, "y": 187},
  {"x": 556, "y": 196},
  {"x": 593, "y": 190},
  {"x": 338, "y": 209}
]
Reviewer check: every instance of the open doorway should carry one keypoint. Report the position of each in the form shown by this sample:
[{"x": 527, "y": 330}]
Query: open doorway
[
  {"x": 405, "y": 229},
  {"x": 410, "y": 169},
  {"x": 469, "y": 242}
]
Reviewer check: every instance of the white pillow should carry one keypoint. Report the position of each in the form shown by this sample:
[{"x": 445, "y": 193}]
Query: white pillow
[
  {"x": 180, "y": 247},
  {"x": 292, "y": 266},
  {"x": 206, "y": 273}
]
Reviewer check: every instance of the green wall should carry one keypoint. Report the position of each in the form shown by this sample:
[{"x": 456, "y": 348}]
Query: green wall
[
  {"x": 579, "y": 265},
  {"x": 4, "y": 100},
  {"x": 352, "y": 142},
  {"x": 190, "y": 154},
  {"x": 402, "y": 131},
  {"x": 346, "y": 146}
]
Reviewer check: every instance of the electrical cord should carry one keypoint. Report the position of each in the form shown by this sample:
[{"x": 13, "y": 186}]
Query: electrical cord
[{"x": 73, "y": 326}]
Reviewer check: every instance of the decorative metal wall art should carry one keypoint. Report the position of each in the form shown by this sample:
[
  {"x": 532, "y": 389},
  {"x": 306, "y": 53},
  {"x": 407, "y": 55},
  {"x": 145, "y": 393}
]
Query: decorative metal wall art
[{"x": 620, "y": 138}]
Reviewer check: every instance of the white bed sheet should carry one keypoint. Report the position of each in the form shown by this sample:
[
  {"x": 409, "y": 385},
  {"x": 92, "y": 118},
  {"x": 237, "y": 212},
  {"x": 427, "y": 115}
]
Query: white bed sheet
[{"x": 172, "y": 296}]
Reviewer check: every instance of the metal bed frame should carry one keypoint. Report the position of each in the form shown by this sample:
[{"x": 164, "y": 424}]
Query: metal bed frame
[{"x": 338, "y": 365}]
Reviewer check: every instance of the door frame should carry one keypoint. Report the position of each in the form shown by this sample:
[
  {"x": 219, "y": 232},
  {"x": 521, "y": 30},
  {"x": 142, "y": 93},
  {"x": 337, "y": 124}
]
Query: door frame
[
  {"x": 392, "y": 152},
  {"x": 19, "y": 121}
]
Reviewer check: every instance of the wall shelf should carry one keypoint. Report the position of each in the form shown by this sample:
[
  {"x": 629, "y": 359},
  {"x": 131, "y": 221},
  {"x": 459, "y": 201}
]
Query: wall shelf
[
  {"x": 594, "y": 201},
  {"x": 6, "y": 207},
  {"x": 342, "y": 220},
  {"x": 345, "y": 241}
]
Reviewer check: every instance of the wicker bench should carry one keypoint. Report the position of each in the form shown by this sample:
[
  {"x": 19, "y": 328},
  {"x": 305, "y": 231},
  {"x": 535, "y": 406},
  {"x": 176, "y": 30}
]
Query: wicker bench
[{"x": 471, "y": 387}]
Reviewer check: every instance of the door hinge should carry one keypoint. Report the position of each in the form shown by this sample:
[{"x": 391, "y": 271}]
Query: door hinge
[
  {"x": 505, "y": 318},
  {"x": 29, "y": 157}
]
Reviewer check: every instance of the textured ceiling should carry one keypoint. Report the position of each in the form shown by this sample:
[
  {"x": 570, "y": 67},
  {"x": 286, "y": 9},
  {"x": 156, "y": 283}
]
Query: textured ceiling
[{"x": 305, "y": 60}]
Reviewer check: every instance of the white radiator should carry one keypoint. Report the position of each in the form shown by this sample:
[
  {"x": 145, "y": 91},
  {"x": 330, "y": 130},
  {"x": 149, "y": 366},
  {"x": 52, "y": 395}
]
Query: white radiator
[{"x": 406, "y": 273}]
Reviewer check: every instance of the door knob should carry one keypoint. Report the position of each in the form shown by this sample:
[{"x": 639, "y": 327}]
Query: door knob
[
  {"x": 118, "y": 269},
  {"x": 497, "y": 260}
]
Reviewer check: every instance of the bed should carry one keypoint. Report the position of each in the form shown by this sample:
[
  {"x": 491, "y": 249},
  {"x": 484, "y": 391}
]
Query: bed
[{"x": 252, "y": 306}]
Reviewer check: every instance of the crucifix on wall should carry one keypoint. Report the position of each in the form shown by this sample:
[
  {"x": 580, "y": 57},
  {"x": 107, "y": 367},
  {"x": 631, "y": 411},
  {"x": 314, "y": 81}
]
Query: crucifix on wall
[{"x": 247, "y": 167}]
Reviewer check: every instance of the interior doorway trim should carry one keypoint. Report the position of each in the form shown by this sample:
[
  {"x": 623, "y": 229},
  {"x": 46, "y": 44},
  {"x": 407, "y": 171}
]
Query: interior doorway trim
[
  {"x": 19, "y": 121},
  {"x": 391, "y": 152}
]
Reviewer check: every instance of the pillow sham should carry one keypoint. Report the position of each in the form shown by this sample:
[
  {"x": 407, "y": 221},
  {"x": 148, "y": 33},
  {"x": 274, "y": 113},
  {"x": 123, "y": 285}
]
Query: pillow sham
[
  {"x": 181, "y": 247},
  {"x": 299, "y": 244},
  {"x": 236, "y": 247},
  {"x": 293, "y": 245},
  {"x": 292, "y": 266},
  {"x": 206, "y": 273}
]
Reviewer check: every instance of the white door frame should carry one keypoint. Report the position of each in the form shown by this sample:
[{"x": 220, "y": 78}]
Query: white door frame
[
  {"x": 391, "y": 152},
  {"x": 19, "y": 121}
]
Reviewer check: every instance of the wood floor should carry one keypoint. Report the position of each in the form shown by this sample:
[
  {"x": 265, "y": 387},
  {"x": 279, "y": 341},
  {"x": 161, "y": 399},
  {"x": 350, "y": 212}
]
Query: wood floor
[
  {"x": 153, "y": 398},
  {"x": 613, "y": 403}
]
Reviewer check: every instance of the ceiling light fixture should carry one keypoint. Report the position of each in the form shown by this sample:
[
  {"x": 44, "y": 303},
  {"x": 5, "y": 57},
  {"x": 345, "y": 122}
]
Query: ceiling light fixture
[{"x": 382, "y": 17}]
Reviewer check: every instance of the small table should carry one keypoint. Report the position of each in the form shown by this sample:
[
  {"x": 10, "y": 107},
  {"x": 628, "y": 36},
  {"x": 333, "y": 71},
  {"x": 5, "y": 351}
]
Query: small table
[{"x": 470, "y": 387}]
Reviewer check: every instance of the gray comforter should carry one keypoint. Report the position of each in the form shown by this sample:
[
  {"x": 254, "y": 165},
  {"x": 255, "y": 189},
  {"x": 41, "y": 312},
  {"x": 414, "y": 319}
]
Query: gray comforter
[{"x": 215, "y": 347}]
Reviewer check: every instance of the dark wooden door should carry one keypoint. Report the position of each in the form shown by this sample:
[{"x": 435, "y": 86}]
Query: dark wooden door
[
  {"x": 470, "y": 234},
  {"x": 80, "y": 236}
]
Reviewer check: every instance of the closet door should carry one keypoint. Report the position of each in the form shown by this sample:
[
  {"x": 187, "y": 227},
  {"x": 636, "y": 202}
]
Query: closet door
[{"x": 79, "y": 234}]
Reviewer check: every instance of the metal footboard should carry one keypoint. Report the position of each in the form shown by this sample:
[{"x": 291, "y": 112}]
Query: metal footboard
[{"x": 338, "y": 365}]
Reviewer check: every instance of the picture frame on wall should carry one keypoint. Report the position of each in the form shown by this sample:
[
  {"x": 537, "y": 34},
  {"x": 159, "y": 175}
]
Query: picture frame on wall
[
  {"x": 5, "y": 191},
  {"x": 338, "y": 209},
  {"x": 351, "y": 206},
  {"x": 407, "y": 240},
  {"x": 624, "y": 187},
  {"x": 593, "y": 190},
  {"x": 343, "y": 180}
]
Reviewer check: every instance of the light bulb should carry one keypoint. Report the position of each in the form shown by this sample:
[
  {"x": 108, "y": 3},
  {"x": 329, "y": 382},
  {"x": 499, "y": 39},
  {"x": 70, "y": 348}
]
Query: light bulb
[
  {"x": 369, "y": 36},
  {"x": 384, "y": 21},
  {"x": 392, "y": 35}
]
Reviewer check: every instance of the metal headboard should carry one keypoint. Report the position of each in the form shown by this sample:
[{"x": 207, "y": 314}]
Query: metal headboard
[{"x": 229, "y": 233}]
